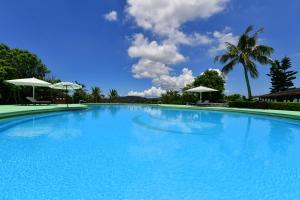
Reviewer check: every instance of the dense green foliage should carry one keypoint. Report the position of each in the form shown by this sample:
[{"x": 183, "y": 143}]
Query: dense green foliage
[
  {"x": 211, "y": 79},
  {"x": 247, "y": 53},
  {"x": 265, "y": 105},
  {"x": 96, "y": 94},
  {"x": 281, "y": 77},
  {"x": 81, "y": 94},
  {"x": 17, "y": 63},
  {"x": 235, "y": 97},
  {"x": 171, "y": 97},
  {"x": 113, "y": 95}
]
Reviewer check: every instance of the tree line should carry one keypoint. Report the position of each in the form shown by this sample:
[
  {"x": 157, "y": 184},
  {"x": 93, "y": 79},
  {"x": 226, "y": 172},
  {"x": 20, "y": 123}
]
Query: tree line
[{"x": 18, "y": 63}]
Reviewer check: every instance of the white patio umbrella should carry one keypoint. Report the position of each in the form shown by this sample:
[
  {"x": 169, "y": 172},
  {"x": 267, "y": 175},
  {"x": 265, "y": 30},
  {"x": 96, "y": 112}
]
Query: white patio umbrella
[
  {"x": 34, "y": 82},
  {"x": 68, "y": 86},
  {"x": 201, "y": 89}
]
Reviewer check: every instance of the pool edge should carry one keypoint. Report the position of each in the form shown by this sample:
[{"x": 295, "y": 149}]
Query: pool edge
[
  {"x": 273, "y": 113},
  {"x": 42, "y": 110}
]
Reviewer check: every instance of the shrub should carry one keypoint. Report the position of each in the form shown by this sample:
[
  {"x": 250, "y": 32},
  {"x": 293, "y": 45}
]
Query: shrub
[
  {"x": 265, "y": 105},
  {"x": 234, "y": 97},
  {"x": 242, "y": 104},
  {"x": 284, "y": 106}
]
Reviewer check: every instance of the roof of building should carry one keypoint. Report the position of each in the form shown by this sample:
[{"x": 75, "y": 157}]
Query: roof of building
[{"x": 291, "y": 92}]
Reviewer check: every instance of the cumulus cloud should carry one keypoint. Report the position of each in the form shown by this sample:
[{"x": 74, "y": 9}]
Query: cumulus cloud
[
  {"x": 166, "y": 82},
  {"x": 151, "y": 92},
  {"x": 154, "y": 61},
  {"x": 174, "y": 82},
  {"x": 166, "y": 17},
  {"x": 149, "y": 69},
  {"x": 221, "y": 38},
  {"x": 111, "y": 16},
  {"x": 164, "y": 53}
]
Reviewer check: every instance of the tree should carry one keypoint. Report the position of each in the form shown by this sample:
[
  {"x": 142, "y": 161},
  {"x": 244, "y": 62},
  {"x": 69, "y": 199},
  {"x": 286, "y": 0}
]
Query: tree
[
  {"x": 17, "y": 63},
  {"x": 96, "y": 94},
  {"x": 247, "y": 53},
  {"x": 81, "y": 94},
  {"x": 281, "y": 77},
  {"x": 211, "y": 79},
  {"x": 171, "y": 97},
  {"x": 189, "y": 97},
  {"x": 235, "y": 97},
  {"x": 113, "y": 94}
]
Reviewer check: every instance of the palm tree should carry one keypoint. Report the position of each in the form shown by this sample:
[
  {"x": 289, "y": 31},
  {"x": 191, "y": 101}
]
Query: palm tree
[
  {"x": 96, "y": 94},
  {"x": 113, "y": 94},
  {"x": 247, "y": 52}
]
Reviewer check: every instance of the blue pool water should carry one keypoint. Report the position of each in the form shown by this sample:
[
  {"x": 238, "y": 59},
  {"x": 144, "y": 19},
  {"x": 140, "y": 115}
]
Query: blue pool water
[{"x": 148, "y": 152}]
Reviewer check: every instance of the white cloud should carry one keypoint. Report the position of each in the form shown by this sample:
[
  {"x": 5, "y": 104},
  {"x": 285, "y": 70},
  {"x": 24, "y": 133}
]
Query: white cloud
[
  {"x": 165, "y": 17},
  {"x": 174, "y": 82},
  {"x": 164, "y": 53},
  {"x": 151, "y": 92},
  {"x": 111, "y": 16},
  {"x": 221, "y": 39},
  {"x": 149, "y": 69},
  {"x": 179, "y": 37}
]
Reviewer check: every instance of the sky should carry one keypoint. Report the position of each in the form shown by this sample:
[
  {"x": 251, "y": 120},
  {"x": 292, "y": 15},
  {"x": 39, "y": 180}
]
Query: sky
[{"x": 144, "y": 48}]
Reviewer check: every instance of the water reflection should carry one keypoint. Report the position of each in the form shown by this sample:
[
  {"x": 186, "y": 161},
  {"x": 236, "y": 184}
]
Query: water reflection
[
  {"x": 64, "y": 126},
  {"x": 180, "y": 121}
]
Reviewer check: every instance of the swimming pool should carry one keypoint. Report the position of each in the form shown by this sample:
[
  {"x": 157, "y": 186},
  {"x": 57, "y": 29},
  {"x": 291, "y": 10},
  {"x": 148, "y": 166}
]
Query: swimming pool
[{"x": 149, "y": 152}]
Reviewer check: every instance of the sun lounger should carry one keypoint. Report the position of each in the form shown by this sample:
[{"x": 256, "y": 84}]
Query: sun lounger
[{"x": 35, "y": 102}]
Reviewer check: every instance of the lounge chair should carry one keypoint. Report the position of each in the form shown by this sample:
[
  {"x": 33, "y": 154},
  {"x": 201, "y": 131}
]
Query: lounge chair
[
  {"x": 82, "y": 101},
  {"x": 206, "y": 102},
  {"x": 35, "y": 102}
]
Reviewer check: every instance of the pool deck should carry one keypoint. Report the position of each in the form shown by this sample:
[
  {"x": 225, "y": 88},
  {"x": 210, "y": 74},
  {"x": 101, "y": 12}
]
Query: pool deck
[
  {"x": 16, "y": 110},
  {"x": 274, "y": 113}
]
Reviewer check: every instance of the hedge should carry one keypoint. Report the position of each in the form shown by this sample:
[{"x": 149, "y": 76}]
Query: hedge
[{"x": 265, "y": 105}]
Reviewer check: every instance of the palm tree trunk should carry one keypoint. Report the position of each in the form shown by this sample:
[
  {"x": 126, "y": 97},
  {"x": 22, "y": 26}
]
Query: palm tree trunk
[{"x": 248, "y": 83}]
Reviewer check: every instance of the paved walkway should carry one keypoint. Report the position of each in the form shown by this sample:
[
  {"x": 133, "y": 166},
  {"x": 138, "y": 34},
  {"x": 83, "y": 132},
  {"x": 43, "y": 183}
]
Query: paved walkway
[
  {"x": 15, "y": 110},
  {"x": 276, "y": 113}
]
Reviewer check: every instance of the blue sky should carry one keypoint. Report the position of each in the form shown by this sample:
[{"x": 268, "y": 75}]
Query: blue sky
[{"x": 142, "y": 47}]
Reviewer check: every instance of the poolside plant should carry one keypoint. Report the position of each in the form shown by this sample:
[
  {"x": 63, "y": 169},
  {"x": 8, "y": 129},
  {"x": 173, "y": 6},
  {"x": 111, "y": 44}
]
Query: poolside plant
[
  {"x": 265, "y": 105},
  {"x": 248, "y": 53}
]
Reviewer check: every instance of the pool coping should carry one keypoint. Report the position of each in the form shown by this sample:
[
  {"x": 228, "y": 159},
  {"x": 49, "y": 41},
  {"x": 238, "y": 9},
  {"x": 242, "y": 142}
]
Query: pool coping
[
  {"x": 35, "y": 109},
  {"x": 266, "y": 112},
  {"x": 61, "y": 107}
]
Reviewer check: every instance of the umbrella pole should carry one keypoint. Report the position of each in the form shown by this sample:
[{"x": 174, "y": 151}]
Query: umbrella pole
[
  {"x": 200, "y": 97},
  {"x": 33, "y": 92},
  {"x": 67, "y": 96}
]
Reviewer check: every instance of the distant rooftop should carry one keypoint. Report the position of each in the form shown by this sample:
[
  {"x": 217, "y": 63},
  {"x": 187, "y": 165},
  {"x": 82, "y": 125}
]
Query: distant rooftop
[{"x": 291, "y": 93}]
